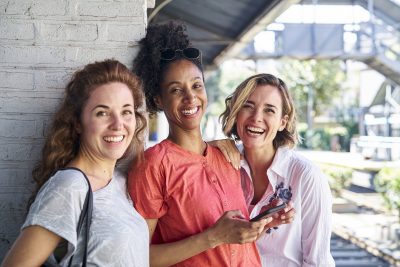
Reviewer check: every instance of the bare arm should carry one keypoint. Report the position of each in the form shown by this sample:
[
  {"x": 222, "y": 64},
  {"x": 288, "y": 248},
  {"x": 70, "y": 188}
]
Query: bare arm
[
  {"x": 229, "y": 229},
  {"x": 32, "y": 247}
]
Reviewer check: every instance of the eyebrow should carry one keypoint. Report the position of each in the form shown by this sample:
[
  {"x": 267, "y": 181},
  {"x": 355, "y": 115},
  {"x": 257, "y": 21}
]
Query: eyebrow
[
  {"x": 177, "y": 82},
  {"x": 107, "y": 107},
  {"x": 266, "y": 105}
]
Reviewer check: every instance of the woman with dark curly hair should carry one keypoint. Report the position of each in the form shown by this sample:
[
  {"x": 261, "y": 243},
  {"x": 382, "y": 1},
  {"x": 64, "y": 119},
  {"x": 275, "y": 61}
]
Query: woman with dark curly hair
[
  {"x": 261, "y": 114},
  {"x": 99, "y": 122},
  {"x": 188, "y": 193}
]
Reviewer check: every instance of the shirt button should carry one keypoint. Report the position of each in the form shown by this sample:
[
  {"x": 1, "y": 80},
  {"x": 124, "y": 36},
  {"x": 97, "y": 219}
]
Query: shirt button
[{"x": 233, "y": 252}]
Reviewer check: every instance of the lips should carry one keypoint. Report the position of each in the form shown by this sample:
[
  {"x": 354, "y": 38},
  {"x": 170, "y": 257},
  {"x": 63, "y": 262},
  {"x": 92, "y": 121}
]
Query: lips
[
  {"x": 255, "y": 130},
  {"x": 113, "y": 139}
]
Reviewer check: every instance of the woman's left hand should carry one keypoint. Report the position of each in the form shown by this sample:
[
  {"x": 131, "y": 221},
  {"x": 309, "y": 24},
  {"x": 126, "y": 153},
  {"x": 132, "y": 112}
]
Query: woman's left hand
[{"x": 285, "y": 216}]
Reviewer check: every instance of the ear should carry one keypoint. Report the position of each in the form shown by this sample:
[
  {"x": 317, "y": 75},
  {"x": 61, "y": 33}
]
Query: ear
[
  {"x": 284, "y": 121},
  {"x": 158, "y": 102}
]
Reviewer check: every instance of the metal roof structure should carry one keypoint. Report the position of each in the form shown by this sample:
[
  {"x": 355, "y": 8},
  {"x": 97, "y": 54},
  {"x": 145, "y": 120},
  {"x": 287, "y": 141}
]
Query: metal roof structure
[{"x": 220, "y": 28}]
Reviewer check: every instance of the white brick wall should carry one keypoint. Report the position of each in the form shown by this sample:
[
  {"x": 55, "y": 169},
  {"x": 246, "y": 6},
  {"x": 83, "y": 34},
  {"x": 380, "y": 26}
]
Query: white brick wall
[{"x": 41, "y": 43}]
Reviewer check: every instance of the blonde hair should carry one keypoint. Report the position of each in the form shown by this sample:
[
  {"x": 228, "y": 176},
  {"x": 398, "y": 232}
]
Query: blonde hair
[{"x": 288, "y": 136}]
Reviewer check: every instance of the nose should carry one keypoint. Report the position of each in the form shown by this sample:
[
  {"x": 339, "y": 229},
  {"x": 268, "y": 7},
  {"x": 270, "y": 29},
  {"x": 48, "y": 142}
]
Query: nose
[
  {"x": 190, "y": 96},
  {"x": 258, "y": 114},
  {"x": 116, "y": 122}
]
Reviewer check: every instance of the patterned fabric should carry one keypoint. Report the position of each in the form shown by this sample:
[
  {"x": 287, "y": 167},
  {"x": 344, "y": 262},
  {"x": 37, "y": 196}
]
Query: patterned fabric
[
  {"x": 188, "y": 193},
  {"x": 306, "y": 241},
  {"x": 118, "y": 234}
]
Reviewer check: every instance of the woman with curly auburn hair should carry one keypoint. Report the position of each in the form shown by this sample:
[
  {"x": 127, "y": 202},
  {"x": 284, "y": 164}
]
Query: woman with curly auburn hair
[
  {"x": 189, "y": 194},
  {"x": 260, "y": 113},
  {"x": 100, "y": 121}
]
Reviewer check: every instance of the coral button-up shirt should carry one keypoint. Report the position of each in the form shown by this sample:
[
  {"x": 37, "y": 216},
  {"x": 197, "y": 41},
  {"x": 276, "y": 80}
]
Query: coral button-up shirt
[{"x": 188, "y": 193}]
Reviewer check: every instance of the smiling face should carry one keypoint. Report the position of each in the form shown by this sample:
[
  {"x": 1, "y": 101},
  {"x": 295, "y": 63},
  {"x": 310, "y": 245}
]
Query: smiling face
[
  {"x": 183, "y": 96},
  {"x": 260, "y": 118},
  {"x": 107, "y": 122}
]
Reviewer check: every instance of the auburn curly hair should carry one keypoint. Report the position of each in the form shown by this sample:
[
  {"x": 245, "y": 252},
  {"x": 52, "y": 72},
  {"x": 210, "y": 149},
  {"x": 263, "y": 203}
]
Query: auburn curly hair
[
  {"x": 147, "y": 64},
  {"x": 63, "y": 140}
]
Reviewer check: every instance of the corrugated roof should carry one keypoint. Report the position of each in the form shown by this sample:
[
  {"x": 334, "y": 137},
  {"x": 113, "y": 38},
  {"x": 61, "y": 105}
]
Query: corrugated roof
[{"x": 220, "y": 28}]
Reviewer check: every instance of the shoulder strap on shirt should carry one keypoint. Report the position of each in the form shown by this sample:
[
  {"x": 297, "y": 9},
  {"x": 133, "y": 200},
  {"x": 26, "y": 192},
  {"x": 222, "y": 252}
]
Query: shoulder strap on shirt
[{"x": 86, "y": 215}]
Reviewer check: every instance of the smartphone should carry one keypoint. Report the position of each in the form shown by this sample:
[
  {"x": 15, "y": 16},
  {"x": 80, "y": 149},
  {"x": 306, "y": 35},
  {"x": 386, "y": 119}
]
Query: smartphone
[{"x": 268, "y": 212}]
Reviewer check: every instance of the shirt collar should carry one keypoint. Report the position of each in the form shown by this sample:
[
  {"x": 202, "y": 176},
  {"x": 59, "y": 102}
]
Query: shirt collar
[{"x": 278, "y": 168}]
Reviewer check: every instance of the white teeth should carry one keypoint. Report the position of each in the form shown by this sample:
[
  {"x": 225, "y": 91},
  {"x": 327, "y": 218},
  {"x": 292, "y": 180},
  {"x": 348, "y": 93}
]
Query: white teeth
[
  {"x": 255, "y": 129},
  {"x": 113, "y": 139},
  {"x": 190, "y": 111}
]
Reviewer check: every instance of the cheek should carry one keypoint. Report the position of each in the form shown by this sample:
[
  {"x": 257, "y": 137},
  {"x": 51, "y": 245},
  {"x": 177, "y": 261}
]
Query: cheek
[{"x": 240, "y": 118}]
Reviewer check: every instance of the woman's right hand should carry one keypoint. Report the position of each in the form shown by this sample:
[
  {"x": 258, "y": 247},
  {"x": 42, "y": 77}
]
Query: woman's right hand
[
  {"x": 233, "y": 228},
  {"x": 229, "y": 150}
]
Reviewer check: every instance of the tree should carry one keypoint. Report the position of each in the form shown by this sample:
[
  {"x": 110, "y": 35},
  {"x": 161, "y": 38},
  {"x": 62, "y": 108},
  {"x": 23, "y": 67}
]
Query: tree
[{"x": 324, "y": 77}]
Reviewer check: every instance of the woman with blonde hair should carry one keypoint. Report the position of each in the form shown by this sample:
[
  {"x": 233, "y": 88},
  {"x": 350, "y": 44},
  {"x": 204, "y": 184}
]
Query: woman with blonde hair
[{"x": 261, "y": 115}]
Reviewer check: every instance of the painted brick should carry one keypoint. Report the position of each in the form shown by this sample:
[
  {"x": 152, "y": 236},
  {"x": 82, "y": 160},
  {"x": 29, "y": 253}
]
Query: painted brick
[
  {"x": 84, "y": 55},
  {"x": 20, "y": 152},
  {"x": 16, "y": 177},
  {"x": 69, "y": 32},
  {"x": 28, "y": 105},
  {"x": 110, "y": 9},
  {"x": 32, "y": 54},
  {"x": 32, "y": 8},
  {"x": 17, "y": 80},
  {"x": 125, "y": 32},
  {"x": 13, "y": 30},
  {"x": 17, "y": 128},
  {"x": 46, "y": 80}
]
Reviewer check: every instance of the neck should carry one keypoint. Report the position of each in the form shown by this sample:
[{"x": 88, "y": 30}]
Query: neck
[
  {"x": 189, "y": 140},
  {"x": 99, "y": 172},
  {"x": 259, "y": 160}
]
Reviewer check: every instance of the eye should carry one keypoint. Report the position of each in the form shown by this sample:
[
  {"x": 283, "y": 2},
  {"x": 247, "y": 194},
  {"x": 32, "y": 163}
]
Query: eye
[
  {"x": 247, "y": 106},
  {"x": 269, "y": 110},
  {"x": 127, "y": 112},
  {"x": 176, "y": 90},
  {"x": 101, "y": 113},
  {"x": 198, "y": 86}
]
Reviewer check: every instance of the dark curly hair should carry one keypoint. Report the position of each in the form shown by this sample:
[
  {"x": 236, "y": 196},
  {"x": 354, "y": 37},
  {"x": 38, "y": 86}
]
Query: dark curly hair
[{"x": 147, "y": 64}]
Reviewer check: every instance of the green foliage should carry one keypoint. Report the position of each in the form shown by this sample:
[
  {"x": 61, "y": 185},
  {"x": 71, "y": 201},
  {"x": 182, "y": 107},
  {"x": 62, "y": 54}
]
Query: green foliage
[
  {"x": 339, "y": 178},
  {"x": 222, "y": 83},
  {"x": 387, "y": 183},
  {"x": 324, "y": 77},
  {"x": 321, "y": 137}
]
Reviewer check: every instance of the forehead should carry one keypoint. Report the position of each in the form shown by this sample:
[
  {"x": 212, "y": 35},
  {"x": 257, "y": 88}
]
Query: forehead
[
  {"x": 110, "y": 93},
  {"x": 181, "y": 70},
  {"x": 267, "y": 94}
]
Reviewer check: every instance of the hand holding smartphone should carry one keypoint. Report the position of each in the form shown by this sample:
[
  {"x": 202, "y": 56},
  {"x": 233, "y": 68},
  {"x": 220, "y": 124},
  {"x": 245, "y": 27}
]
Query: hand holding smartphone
[{"x": 268, "y": 212}]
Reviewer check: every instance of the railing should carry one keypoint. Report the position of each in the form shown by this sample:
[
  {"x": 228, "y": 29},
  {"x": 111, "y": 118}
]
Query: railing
[{"x": 357, "y": 39}]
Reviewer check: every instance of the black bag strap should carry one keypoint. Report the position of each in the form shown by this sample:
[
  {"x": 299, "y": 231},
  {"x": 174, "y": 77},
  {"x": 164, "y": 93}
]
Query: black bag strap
[{"x": 86, "y": 214}]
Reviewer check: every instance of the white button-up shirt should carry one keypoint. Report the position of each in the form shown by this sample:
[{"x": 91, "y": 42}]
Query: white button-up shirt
[{"x": 306, "y": 241}]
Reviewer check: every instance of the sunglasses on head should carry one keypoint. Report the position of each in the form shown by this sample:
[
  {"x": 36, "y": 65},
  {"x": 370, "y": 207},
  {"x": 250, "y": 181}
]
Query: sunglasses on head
[{"x": 188, "y": 53}]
